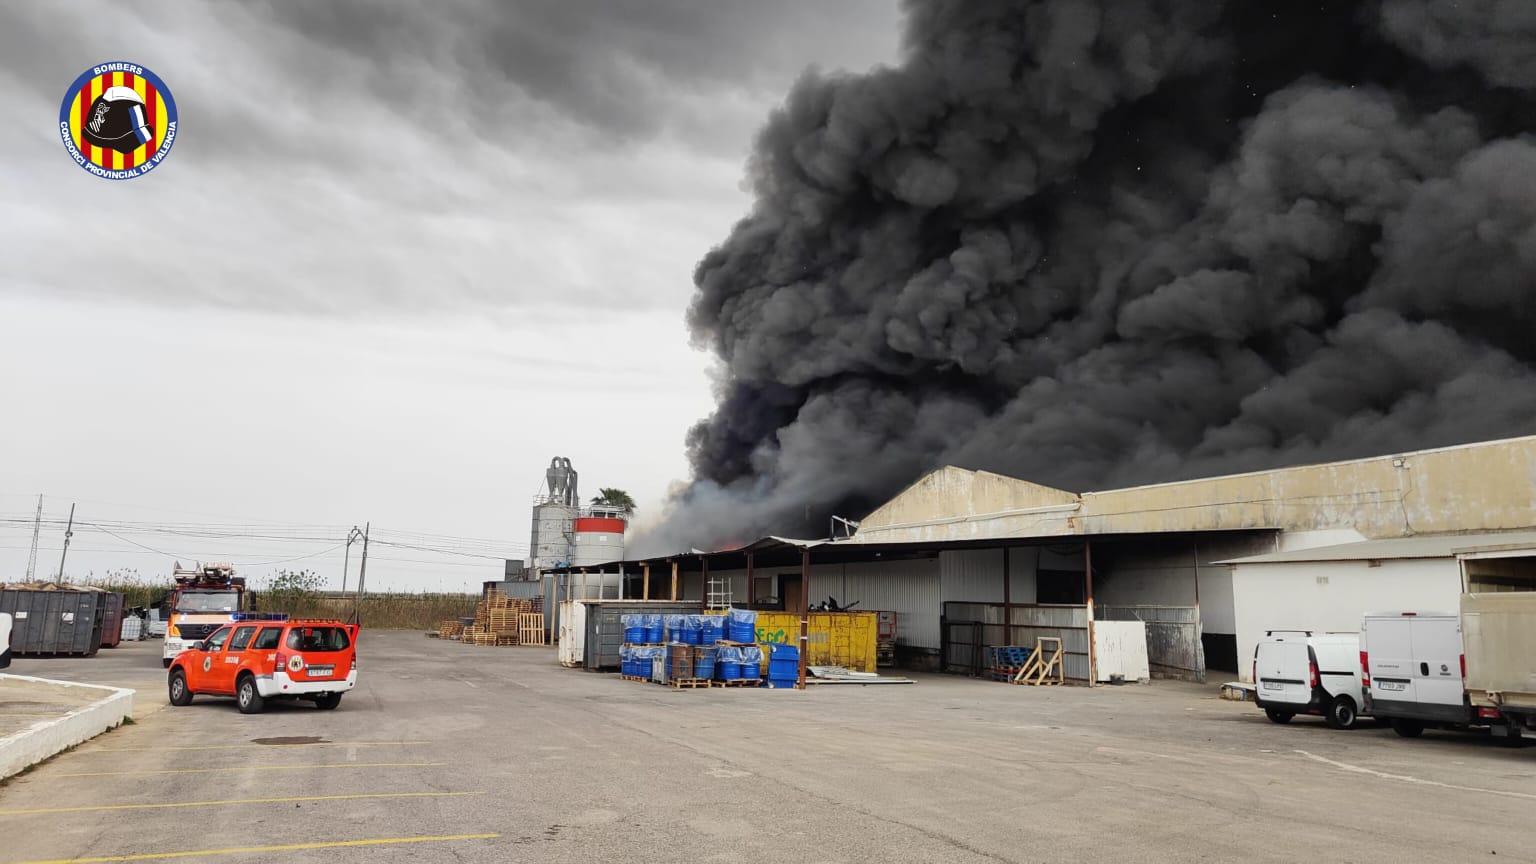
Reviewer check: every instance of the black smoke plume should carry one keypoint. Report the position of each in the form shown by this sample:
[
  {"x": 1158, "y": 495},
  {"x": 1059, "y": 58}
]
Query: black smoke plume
[{"x": 1104, "y": 242}]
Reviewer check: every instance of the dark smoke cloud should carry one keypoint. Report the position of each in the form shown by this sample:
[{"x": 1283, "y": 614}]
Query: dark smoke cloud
[{"x": 1103, "y": 243}]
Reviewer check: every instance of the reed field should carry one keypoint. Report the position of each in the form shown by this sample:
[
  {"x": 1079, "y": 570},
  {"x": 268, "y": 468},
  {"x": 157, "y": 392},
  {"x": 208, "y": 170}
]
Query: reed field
[{"x": 295, "y": 594}]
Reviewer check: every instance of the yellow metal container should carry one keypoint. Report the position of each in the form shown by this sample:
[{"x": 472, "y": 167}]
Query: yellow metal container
[{"x": 835, "y": 638}]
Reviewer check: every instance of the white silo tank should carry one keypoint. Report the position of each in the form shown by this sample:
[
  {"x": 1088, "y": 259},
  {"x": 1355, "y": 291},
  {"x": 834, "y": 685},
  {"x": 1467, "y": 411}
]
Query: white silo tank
[{"x": 597, "y": 539}]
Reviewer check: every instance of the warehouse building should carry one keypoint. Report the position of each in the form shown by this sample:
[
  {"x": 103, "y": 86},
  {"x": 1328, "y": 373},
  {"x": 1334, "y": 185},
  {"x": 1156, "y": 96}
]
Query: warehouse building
[{"x": 1208, "y": 564}]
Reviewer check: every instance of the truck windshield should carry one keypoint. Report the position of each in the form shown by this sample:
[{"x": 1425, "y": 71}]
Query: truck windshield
[{"x": 208, "y": 601}]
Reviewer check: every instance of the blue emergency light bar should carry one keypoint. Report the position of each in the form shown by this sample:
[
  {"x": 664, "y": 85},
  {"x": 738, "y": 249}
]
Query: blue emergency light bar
[{"x": 261, "y": 616}]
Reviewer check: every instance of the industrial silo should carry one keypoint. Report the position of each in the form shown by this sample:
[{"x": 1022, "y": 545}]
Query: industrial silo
[{"x": 597, "y": 537}]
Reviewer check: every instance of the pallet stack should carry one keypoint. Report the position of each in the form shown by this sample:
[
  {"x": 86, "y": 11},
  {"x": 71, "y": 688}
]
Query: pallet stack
[
  {"x": 1005, "y": 661},
  {"x": 503, "y": 620},
  {"x": 449, "y": 629}
]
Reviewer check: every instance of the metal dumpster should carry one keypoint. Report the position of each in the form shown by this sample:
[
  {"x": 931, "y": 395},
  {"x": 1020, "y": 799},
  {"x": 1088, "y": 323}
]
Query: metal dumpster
[
  {"x": 605, "y": 630},
  {"x": 111, "y": 620},
  {"x": 54, "y": 622}
]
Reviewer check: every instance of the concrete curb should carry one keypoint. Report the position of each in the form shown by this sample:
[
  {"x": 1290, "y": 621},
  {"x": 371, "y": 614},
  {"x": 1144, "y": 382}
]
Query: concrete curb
[{"x": 50, "y": 737}]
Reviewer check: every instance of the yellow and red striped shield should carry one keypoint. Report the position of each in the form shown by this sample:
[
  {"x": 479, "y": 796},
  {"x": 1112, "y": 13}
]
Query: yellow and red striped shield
[{"x": 159, "y": 118}]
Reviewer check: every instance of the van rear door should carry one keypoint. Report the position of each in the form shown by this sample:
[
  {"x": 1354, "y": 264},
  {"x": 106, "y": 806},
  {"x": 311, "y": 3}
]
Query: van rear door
[
  {"x": 1389, "y": 645},
  {"x": 1283, "y": 671},
  {"x": 1436, "y": 670}
]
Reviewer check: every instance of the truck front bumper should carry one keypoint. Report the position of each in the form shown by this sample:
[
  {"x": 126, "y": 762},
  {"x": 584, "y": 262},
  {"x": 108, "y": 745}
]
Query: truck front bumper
[{"x": 173, "y": 647}]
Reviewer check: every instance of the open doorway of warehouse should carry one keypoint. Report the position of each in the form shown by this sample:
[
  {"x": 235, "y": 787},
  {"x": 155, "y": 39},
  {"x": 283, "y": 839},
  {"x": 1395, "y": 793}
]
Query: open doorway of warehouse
[
  {"x": 789, "y": 593},
  {"x": 1494, "y": 572}
]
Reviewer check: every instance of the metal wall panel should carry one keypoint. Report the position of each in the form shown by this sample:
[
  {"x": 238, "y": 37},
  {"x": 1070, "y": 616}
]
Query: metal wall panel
[
  {"x": 908, "y": 587},
  {"x": 971, "y": 574},
  {"x": 1173, "y": 638},
  {"x": 1067, "y": 623}
]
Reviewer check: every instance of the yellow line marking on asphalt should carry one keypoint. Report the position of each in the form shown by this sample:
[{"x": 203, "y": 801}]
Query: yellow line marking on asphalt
[
  {"x": 235, "y": 801},
  {"x": 258, "y": 768},
  {"x": 264, "y": 746},
  {"x": 293, "y": 847}
]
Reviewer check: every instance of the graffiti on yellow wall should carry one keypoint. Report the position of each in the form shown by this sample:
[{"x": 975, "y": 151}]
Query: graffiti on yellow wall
[{"x": 832, "y": 638}]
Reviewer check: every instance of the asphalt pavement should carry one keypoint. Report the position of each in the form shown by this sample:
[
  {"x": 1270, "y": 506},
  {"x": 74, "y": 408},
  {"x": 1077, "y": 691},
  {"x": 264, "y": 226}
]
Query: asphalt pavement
[{"x": 455, "y": 752}]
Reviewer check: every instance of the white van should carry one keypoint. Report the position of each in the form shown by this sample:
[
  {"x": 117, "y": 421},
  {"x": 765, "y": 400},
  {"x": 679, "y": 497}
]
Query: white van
[
  {"x": 1296, "y": 672},
  {"x": 1414, "y": 670},
  {"x": 5, "y": 639}
]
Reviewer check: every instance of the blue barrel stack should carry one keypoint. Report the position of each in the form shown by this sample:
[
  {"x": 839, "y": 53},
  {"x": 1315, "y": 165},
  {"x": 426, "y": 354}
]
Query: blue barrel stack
[
  {"x": 719, "y": 647},
  {"x": 783, "y": 665}
]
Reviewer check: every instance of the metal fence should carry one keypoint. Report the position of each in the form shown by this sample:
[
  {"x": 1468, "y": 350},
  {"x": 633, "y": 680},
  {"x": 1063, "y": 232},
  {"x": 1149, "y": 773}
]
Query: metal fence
[
  {"x": 1173, "y": 638},
  {"x": 968, "y": 629}
]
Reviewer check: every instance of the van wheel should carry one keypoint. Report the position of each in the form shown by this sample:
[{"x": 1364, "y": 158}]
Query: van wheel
[
  {"x": 1341, "y": 713},
  {"x": 180, "y": 695},
  {"x": 248, "y": 696},
  {"x": 1278, "y": 716},
  {"x": 1407, "y": 728},
  {"x": 328, "y": 702}
]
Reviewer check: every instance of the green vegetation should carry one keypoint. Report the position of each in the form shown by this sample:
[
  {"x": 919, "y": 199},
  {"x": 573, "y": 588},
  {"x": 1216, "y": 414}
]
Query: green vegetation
[
  {"x": 297, "y": 592},
  {"x": 136, "y": 589},
  {"x": 615, "y": 498}
]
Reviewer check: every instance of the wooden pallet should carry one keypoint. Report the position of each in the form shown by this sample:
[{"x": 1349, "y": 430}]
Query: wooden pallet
[
  {"x": 634, "y": 678},
  {"x": 530, "y": 628},
  {"x": 729, "y": 644},
  {"x": 739, "y": 682},
  {"x": 1043, "y": 668},
  {"x": 689, "y": 683}
]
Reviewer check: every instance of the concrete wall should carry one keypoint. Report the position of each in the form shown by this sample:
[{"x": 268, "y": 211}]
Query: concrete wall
[
  {"x": 53, "y": 735},
  {"x": 1477, "y": 487},
  {"x": 1323, "y": 596}
]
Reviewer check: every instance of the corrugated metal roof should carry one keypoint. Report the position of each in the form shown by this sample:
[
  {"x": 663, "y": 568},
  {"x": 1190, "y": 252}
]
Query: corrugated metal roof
[{"x": 1429, "y": 546}]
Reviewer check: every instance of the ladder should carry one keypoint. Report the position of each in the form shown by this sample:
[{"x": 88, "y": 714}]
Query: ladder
[{"x": 717, "y": 593}]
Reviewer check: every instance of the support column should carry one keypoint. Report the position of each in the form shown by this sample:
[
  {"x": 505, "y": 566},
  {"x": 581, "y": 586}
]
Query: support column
[
  {"x": 805, "y": 613},
  {"x": 584, "y": 583},
  {"x": 674, "y": 580},
  {"x": 1088, "y": 586},
  {"x": 751, "y": 583},
  {"x": 704, "y": 583},
  {"x": 645, "y": 581},
  {"x": 1007, "y": 596}
]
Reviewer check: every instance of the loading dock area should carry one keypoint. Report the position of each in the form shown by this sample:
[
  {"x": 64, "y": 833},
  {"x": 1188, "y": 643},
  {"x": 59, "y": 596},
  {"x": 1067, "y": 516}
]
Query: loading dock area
[{"x": 507, "y": 756}]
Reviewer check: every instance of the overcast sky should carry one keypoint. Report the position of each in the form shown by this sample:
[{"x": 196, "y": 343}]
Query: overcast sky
[{"x": 400, "y": 256}]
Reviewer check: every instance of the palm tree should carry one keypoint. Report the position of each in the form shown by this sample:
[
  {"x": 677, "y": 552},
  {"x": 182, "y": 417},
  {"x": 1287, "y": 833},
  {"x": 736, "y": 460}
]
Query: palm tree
[{"x": 615, "y": 498}]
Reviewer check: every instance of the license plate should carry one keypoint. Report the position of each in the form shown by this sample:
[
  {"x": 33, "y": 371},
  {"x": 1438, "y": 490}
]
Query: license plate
[
  {"x": 1273, "y": 685},
  {"x": 1391, "y": 685},
  {"x": 321, "y": 671}
]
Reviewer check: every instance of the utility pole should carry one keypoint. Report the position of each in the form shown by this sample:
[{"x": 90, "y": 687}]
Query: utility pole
[
  {"x": 37, "y": 527},
  {"x": 362, "y": 576},
  {"x": 68, "y": 533},
  {"x": 346, "y": 559}
]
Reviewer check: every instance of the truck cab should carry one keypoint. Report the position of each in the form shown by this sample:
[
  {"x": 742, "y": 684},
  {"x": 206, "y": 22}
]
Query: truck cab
[{"x": 205, "y": 599}]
